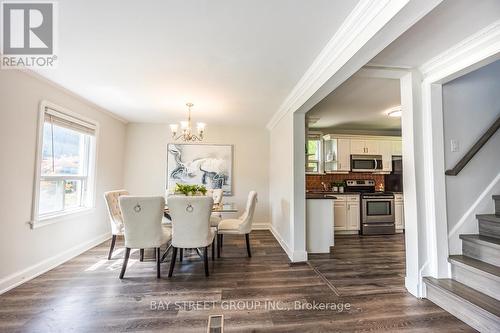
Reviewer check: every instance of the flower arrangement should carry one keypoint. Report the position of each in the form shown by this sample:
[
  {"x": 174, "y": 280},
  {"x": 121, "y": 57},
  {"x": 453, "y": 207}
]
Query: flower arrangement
[{"x": 190, "y": 190}]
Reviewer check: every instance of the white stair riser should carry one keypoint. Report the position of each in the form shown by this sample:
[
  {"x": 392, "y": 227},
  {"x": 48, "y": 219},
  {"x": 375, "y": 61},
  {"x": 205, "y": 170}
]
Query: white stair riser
[
  {"x": 476, "y": 280},
  {"x": 469, "y": 313},
  {"x": 481, "y": 252}
]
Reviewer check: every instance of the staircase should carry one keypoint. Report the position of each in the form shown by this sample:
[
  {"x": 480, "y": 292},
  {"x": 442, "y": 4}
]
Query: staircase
[{"x": 473, "y": 292}]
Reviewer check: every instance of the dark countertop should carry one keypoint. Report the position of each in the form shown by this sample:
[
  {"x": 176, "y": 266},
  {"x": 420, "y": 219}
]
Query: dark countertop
[{"x": 328, "y": 196}]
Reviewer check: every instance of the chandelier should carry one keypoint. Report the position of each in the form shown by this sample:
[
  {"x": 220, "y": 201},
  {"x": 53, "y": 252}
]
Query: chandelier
[{"x": 187, "y": 132}]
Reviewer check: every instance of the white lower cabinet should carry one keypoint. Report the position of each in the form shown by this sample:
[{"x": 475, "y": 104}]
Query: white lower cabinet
[
  {"x": 353, "y": 215},
  {"x": 399, "y": 212},
  {"x": 346, "y": 212},
  {"x": 340, "y": 215}
]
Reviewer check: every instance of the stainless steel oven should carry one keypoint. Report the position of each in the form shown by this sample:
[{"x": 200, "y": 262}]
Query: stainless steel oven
[
  {"x": 377, "y": 214},
  {"x": 366, "y": 163}
]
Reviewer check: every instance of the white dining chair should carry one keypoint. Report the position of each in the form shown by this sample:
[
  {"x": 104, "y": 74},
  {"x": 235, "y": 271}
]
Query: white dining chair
[
  {"x": 142, "y": 217},
  {"x": 115, "y": 216},
  {"x": 239, "y": 226},
  {"x": 217, "y": 194},
  {"x": 191, "y": 226}
]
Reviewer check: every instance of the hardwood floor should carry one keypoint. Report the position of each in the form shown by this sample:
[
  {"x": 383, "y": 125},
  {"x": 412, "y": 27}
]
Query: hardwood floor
[{"x": 85, "y": 294}]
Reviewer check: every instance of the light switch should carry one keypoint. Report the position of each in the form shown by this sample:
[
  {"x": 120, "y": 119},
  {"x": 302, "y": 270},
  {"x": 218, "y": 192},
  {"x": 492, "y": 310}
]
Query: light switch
[{"x": 454, "y": 146}]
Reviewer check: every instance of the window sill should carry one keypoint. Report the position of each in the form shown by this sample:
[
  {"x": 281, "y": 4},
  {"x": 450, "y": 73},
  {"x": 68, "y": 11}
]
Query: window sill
[{"x": 55, "y": 218}]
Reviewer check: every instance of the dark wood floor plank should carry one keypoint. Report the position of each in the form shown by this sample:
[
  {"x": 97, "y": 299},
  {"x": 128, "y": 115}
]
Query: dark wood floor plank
[{"x": 85, "y": 294}]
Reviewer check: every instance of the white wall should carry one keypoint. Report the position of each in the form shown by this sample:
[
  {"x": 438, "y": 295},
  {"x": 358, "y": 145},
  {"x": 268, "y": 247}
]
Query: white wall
[
  {"x": 470, "y": 105},
  {"x": 25, "y": 252},
  {"x": 146, "y": 162},
  {"x": 281, "y": 181}
]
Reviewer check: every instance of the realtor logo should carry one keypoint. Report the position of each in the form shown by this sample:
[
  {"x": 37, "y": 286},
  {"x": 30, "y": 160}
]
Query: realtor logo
[{"x": 28, "y": 34}]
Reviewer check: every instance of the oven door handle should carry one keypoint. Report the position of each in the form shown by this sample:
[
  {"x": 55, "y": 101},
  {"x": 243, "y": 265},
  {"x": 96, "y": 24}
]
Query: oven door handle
[{"x": 378, "y": 199}]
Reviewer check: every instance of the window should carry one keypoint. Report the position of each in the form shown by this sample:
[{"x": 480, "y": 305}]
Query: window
[
  {"x": 313, "y": 153},
  {"x": 66, "y": 163}
]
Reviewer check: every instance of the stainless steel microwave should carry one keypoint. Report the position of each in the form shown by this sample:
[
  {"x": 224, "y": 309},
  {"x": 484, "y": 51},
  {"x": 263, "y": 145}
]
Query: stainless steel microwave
[{"x": 366, "y": 163}]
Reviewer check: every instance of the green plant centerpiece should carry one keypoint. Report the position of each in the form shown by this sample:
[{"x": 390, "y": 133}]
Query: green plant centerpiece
[{"x": 190, "y": 190}]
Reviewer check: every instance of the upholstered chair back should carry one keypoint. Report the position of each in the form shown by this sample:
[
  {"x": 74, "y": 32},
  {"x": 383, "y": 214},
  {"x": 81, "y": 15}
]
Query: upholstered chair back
[
  {"x": 114, "y": 212},
  {"x": 247, "y": 216},
  {"x": 217, "y": 194},
  {"x": 142, "y": 217},
  {"x": 190, "y": 220}
]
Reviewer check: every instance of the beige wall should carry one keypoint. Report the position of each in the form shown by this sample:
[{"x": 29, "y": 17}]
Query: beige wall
[
  {"x": 146, "y": 162},
  {"x": 25, "y": 252}
]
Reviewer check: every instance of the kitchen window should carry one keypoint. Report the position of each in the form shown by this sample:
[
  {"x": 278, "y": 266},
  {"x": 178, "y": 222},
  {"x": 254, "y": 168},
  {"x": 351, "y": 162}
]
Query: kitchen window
[
  {"x": 65, "y": 164},
  {"x": 313, "y": 154}
]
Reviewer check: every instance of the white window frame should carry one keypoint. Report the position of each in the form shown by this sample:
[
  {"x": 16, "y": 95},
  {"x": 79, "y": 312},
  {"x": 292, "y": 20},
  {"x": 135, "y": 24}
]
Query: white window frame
[{"x": 36, "y": 220}]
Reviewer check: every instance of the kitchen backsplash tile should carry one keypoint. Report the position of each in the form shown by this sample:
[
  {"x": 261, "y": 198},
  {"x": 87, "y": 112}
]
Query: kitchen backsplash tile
[{"x": 313, "y": 182}]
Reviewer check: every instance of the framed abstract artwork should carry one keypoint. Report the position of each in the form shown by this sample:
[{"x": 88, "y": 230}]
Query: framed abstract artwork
[{"x": 203, "y": 164}]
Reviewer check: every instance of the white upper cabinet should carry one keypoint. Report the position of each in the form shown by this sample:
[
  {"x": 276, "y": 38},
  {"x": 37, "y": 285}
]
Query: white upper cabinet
[
  {"x": 372, "y": 147},
  {"x": 358, "y": 147},
  {"x": 397, "y": 147},
  {"x": 343, "y": 155},
  {"x": 364, "y": 147},
  {"x": 385, "y": 149},
  {"x": 337, "y": 155},
  {"x": 337, "y": 151}
]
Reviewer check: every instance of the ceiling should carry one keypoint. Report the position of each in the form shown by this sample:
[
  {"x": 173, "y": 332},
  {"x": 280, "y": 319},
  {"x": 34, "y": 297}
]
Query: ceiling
[
  {"x": 359, "y": 104},
  {"x": 446, "y": 25},
  {"x": 235, "y": 60}
]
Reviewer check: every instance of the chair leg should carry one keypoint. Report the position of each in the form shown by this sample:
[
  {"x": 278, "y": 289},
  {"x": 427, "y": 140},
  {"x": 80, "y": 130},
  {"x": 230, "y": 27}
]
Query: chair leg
[
  {"x": 172, "y": 262},
  {"x": 141, "y": 256},
  {"x": 247, "y": 238},
  {"x": 125, "y": 261},
  {"x": 221, "y": 240},
  {"x": 166, "y": 253},
  {"x": 158, "y": 261},
  {"x": 218, "y": 245},
  {"x": 213, "y": 250},
  {"x": 111, "y": 248},
  {"x": 206, "y": 260},
  {"x": 181, "y": 254}
]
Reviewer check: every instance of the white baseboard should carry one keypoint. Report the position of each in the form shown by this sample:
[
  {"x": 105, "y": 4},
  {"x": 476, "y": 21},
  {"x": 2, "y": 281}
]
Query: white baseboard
[
  {"x": 282, "y": 243},
  {"x": 413, "y": 287},
  {"x": 31, "y": 272},
  {"x": 261, "y": 226},
  {"x": 299, "y": 256}
]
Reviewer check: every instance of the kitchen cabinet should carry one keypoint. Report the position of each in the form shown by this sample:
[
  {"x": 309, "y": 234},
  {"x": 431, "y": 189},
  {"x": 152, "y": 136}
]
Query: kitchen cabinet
[
  {"x": 346, "y": 211},
  {"x": 399, "y": 211},
  {"x": 340, "y": 214},
  {"x": 353, "y": 216},
  {"x": 337, "y": 155},
  {"x": 364, "y": 147},
  {"x": 386, "y": 150},
  {"x": 397, "y": 147}
]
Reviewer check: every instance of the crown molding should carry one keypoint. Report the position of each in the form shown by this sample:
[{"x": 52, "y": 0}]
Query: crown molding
[
  {"x": 367, "y": 18},
  {"x": 469, "y": 53}
]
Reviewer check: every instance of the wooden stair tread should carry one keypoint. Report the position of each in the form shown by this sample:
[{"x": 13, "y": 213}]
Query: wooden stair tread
[
  {"x": 479, "y": 239},
  {"x": 488, "y": 217},
  {"x": 470, "y": 295},
  {"x": 477, "y": 264}
]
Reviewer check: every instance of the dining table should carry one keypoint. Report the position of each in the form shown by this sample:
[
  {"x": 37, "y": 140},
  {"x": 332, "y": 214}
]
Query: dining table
[{"x": 229, "y": 207}]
